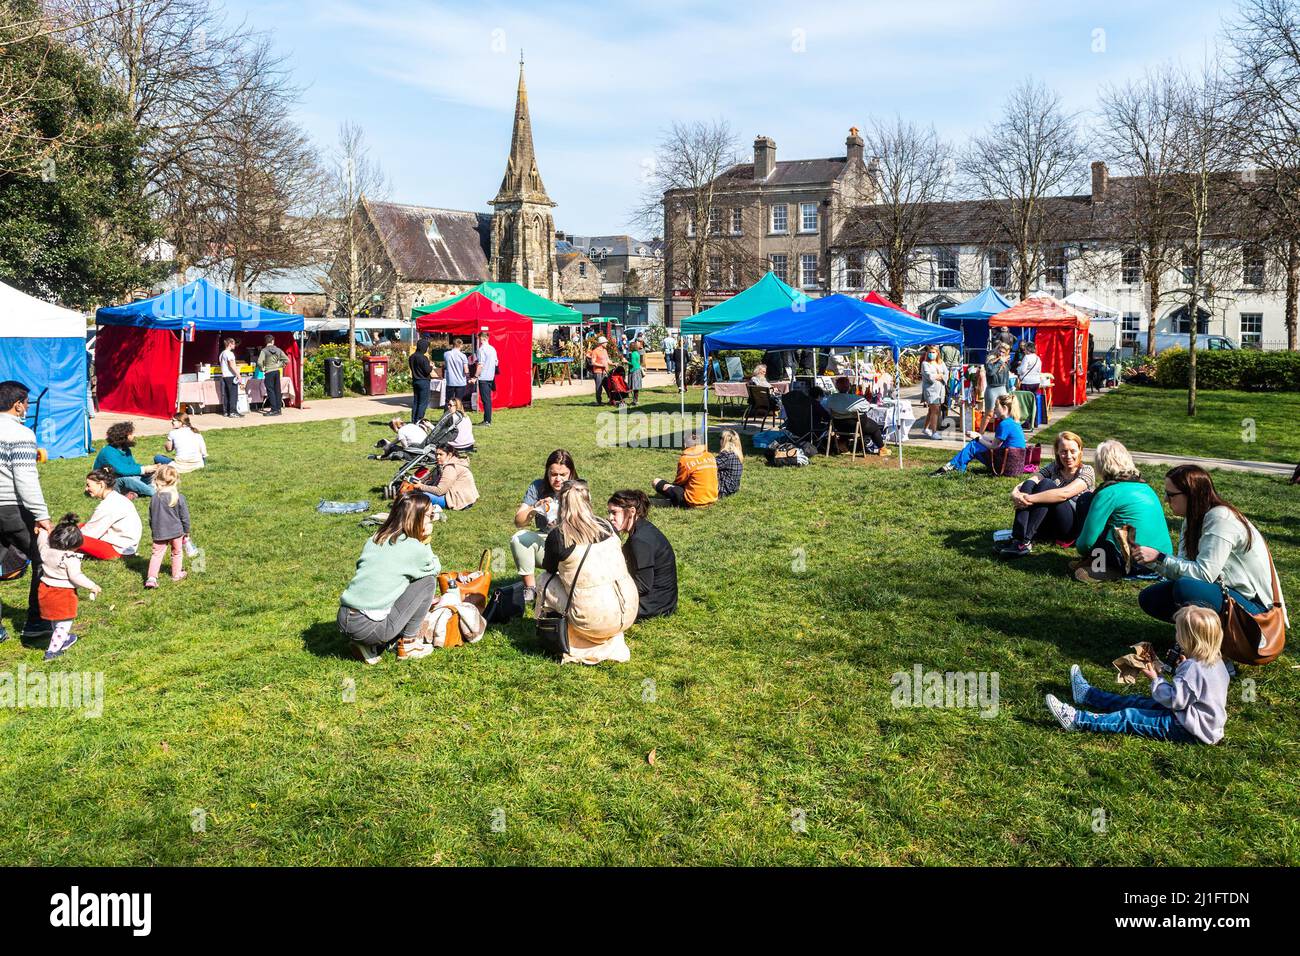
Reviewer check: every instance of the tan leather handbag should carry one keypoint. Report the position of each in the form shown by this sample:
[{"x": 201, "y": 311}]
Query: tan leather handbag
[{"x": 1254, "y": 638}]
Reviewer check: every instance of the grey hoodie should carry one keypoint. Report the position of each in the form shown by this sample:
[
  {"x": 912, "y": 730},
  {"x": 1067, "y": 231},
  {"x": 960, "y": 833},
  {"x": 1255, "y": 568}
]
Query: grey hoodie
[{"x": 1198, "y": 696}]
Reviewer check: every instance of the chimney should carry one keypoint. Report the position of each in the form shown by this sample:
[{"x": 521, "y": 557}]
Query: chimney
[
  {"x": 1100, "y": 180},
  {"x": 854, "y": 145},
  {"x": 764, "y": 157}
]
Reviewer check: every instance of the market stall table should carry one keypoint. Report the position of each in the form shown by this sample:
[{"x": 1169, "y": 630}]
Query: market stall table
[
  {"x": 883, "y": 415},
  {"x": 740, "y": 390},
  {"x": 552, "y": 369}
]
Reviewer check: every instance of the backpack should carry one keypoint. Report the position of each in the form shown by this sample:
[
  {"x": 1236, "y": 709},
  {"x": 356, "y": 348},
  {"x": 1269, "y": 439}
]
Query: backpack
[{"x": 786, "y": 455}]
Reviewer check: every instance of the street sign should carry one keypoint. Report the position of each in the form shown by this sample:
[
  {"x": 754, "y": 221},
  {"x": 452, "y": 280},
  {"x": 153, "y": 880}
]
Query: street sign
[{"x": 290, "y": 299}]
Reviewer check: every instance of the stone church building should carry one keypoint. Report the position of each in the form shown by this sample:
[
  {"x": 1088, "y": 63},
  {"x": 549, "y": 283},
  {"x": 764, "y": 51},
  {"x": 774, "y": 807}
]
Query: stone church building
[{"x": 417, "y": 255}]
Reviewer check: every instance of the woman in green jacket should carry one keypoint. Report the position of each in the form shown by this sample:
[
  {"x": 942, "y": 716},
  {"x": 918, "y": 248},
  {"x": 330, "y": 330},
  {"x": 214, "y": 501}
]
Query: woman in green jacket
[{"x": 1122, "y": 498}]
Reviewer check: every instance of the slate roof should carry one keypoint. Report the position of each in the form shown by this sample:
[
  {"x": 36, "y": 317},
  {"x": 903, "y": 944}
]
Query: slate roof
[
  {"x": 457, "y": 253},
  {"x": 789, "y": 172}
]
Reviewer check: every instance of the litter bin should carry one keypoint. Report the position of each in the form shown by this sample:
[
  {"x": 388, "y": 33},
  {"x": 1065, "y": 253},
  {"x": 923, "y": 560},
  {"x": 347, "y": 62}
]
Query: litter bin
[
  {"x": 376, "y": 374},
  {"x": 334, "y": 377}
]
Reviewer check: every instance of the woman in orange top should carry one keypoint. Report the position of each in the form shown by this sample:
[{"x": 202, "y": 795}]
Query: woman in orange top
[{"x": 696, "y": 484}]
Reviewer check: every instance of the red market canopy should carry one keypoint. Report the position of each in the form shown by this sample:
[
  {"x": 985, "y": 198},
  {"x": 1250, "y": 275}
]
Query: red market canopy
[
  {"x": 875, "y": 298},
  {"x": 510, "y": 333},
  {"x": 1061, "y": 337}
]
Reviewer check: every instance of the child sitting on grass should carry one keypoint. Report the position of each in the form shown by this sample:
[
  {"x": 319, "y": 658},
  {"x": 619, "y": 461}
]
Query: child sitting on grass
[
  {"x": 1191, "y": 708},
  {"x": 169, "y": 523},
  {"x": 61, "y": 575}
]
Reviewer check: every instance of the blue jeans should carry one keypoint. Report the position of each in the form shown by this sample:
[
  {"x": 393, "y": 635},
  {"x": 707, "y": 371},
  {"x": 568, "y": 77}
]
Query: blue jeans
[
  {"x": 974, "y": 451},
  {"x": 1163, "y": 599},
  {"x": 439, "y": 500},
  {"x": 1135, "y": 714},
  {"x": 420, "y": 405},
  {"x": 137, "y": 483},
  {"x": 162, "y": 460}
]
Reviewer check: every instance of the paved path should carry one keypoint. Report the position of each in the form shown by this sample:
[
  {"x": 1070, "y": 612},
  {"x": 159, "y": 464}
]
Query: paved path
[{"x": 327, "y": 409}]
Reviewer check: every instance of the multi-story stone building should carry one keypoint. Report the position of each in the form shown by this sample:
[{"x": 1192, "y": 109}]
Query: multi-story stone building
[
  {"x": 1091, "y": 252},
  {"x": 782, "y": 215}
]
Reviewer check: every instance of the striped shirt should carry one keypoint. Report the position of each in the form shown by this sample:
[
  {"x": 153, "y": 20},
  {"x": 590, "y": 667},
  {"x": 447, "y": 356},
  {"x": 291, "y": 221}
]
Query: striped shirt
[{"x": 19, "y": 483}]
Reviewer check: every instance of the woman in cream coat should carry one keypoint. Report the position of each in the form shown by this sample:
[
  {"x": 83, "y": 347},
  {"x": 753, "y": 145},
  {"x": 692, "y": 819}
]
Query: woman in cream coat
[{"x": 605, "y": 599}]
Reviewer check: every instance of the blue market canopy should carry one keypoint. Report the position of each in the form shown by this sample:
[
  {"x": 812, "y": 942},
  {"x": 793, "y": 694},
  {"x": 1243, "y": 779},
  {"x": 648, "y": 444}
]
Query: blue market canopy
[
  {"x": 766, "y": 294},
  {"x": 202, "y": 305},
  {"x": 985, "y": 303},
  {"x": 835, "y": 321}
]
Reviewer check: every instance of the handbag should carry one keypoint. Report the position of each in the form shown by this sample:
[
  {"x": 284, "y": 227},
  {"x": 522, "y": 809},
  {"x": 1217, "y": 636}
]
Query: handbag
[
  {"x": 473, "y": 585},
  {"x": 1254, "y": 638},
  {"x": 552, "y": 626}
]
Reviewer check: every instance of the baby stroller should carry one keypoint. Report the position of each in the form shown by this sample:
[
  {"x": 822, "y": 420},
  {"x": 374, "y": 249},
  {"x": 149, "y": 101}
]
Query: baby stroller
[{"x": 422, "y": 466}]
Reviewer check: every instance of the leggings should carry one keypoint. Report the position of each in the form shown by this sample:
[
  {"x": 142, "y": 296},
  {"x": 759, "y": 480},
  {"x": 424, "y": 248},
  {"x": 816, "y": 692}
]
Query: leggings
[
  {"x": 178, "y": 557},
  {"x": 96, "y": 548},
  {"x": 1055, "y": 522},
  {"x": 527, "y": 546}
]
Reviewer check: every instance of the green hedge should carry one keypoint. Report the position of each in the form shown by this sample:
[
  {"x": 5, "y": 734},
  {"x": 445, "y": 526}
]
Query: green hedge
[
  {"x": 1244, "y": 370},
  {"x": 354, "y": 372}
]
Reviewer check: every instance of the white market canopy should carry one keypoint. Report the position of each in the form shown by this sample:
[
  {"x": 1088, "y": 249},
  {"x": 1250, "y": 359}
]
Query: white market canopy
[{"x": 24, "y": 316}]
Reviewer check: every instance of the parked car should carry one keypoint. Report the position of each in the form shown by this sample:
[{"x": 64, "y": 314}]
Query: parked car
[{"x": 1178, "y": 340}]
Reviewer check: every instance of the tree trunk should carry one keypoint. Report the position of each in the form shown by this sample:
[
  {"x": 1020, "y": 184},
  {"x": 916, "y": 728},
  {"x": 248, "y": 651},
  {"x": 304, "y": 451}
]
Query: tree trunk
[
  {"x": 1153, "y": 303},
  {"x": 1191, "y": 356},
  {"x": 1292, "y": 290}
]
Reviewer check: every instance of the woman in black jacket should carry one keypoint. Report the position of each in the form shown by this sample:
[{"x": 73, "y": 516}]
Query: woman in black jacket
[{"x": 649, "y": 555}]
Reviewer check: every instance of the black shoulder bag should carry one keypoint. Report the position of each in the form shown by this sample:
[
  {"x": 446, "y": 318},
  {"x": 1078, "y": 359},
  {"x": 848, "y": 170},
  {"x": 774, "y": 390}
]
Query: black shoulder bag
[{"x": 553, "y": 627}]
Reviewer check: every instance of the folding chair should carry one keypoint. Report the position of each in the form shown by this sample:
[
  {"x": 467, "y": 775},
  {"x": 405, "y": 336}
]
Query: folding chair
[
  {"x": 837, "y": 430},
  {"x": 761, "y": 404}
]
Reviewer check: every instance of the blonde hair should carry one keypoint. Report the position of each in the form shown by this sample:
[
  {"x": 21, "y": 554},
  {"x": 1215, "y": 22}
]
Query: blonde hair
[
  {"x": 1007, "y": 402},
  {"x": 1199, "y": 633},
  {"x": 578, "y": 522},
  {"x": 731, "y": 442},
  {"x": 1068, "y": 436},
  {"x": 455, "y": 405},
  {"x": 1114, "y": 463},
  {"x": 166, "y": 480}
]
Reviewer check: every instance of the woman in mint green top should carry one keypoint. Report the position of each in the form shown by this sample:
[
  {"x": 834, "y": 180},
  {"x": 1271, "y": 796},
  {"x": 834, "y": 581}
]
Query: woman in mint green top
[
  {"x": 1122, "y": 498},
  {"x": 634, "y": 372},
  {"x": 395, "y": 583}
]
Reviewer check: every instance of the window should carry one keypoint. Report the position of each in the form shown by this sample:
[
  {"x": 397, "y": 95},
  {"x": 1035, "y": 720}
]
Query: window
[
  {"x": 1252, "y": 330},
  {"x": 780, "y": 267},
  {"x": 854, "y": 267},
  {"x": 1130, "y": 267},
  {"x": 808, "y": 270},
  {"x": 1054, "y": 268},
  {"x": 945, "y": 269},
  {"x": 736, "y": 222},
  {"x": 1189, "y": 264},
  {"x": 780, "y": 220},
  {"x": 1252, "y": 267},
  {"x": 690, "y": 223},
  {"x": 715, "y": 223},
  {"x": 999, "y": 269},
  {"x": 715, "y": 272},
  {"x": 1129, "y": 329},
  {"x": 807, "y": 217},
  {"x": 582, "y": 270},
  {"x": 1183, "y": 327}
]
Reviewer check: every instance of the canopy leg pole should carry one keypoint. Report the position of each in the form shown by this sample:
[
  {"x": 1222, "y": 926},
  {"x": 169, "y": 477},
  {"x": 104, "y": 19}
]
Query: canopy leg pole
[
  {"x": 706, "y": 395},
  {"x": 180, "y": 369},
  {"x": 681, "y": 372},
  {"x": 898, "y": 406}
]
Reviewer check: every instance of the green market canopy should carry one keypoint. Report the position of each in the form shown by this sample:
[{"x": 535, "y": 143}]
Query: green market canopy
[
  {"x": 765, "y": 295},
  {"x": 514, "y": 298}
]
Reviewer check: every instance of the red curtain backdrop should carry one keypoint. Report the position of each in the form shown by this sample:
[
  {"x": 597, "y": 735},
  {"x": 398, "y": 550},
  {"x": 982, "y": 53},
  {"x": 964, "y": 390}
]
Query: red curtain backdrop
[
  {"x": 1057, "y": 349},
  {"x": 135, "y": 370},
  {"x": 510, "y": 333}
]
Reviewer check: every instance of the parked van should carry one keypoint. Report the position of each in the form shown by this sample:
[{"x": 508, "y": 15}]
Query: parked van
[{"x": 1178, "y": 340}]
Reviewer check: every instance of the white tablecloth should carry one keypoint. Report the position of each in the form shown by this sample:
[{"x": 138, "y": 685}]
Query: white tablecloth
[{"x": 884, "y": 416}]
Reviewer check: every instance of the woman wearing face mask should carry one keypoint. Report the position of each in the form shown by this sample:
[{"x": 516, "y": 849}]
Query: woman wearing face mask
[
  {"x": 934, "y": 389},
  {"x": 1051, "y": 504}
]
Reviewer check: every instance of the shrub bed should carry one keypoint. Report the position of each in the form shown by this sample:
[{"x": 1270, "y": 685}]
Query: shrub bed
[{"x": 1245, "y": 370}]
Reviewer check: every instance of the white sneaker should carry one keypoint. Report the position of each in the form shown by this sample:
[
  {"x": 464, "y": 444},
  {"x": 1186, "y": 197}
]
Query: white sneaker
[
  {"x": 1063, "y": 712},
  {"x": 1079, "y": 686},
  {"x": 927, "y": 433}
]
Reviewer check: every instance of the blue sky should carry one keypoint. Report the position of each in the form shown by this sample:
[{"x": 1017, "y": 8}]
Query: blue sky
[{"x": 433, "y": 83}]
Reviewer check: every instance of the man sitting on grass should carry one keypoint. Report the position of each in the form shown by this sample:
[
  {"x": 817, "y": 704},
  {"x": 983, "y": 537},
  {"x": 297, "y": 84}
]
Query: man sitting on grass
[
  {"x": 696, "y": 484},
  {"x": 1004, "y": 453}
]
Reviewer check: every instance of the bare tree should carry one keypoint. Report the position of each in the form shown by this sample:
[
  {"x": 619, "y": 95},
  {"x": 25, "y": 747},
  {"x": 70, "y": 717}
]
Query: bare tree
[
  {"x": 1032, "y": 153},
  {"x": 1204, "y": 193},
  {"x": 893, "y": 210},
  {"x": 354, "y": 274},
  {"x": 686, "y": 194},
  {"x": 1266, "y": 131},
  {"x": 1141, "y": 123}
]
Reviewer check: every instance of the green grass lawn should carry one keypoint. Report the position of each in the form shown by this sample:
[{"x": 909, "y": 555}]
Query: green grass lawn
[
  {"x": 766, "y": 700},
  {"x": 1155, "y": 420}
]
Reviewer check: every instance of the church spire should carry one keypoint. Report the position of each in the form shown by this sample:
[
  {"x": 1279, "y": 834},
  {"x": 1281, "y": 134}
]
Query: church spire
[{"x": 522, "y": 182}]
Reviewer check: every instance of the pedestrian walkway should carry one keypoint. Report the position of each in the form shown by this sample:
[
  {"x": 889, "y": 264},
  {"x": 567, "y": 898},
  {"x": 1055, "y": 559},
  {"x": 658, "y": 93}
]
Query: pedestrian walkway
[{"x": 328, "y": 409}]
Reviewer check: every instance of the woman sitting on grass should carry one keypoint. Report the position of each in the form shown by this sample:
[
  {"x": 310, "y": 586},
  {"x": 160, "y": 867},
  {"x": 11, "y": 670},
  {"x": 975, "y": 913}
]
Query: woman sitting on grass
[
  {"x": 395, "y": 583},
  {"x": 1192, "y": 707},
  {"x": 455, "y": 415},
  {"x": 649, "y": 555},
  {"x": 114, "y": 528},
  {"x": 1219, "y": 553},
  {"x": 133, "y": 479},
  {"x": 583, "y": 556},
  {"x": 1004, "y": 453},
  {"x": 1122, "y": 498},
  {"x": 540, "y": 509},
  {"x": 731, "y": 463},
  {"x": 185, "y": 443},
  {"x": 455, "y": 489},
  {"x": 1050, "y": 505}
]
